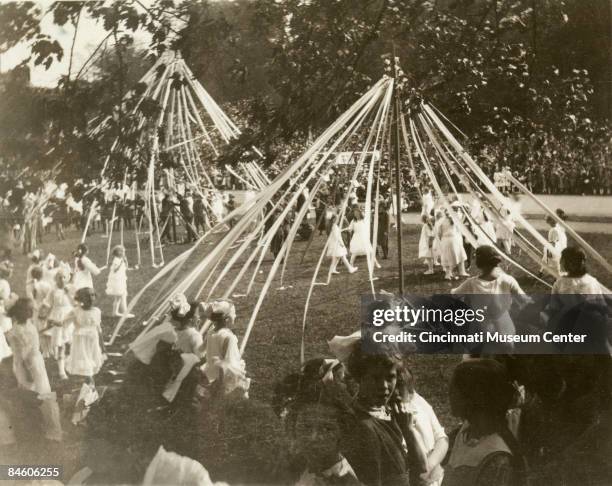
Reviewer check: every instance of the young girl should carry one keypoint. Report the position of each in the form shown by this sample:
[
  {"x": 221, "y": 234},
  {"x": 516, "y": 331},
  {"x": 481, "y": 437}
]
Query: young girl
[
  {"x": 35, "y": 262},
  {"x": 86, "y": 356},
  {"x": 493, "y": 290},
  {"x": 38, "y": 290},
  {"x": 451, "y": 249},
  {"x": 336, "y": 249},
  {"x": 505, "y": 229},
  {"x": 183, "y": 315},
  {"x": 6, "y": 300},
  {"x": 50, "y": 268},
  {"x": 428, "y": 427},
  {"x": 116, "y": 286},
  {"x": 58, "y": 305},
  {"x": 484, "y": 450},
  {"x": 360, "y": 241},
  {"x": 558, "y": 240},
  {"x": 224, "y": 366},
  {"x": 84, "y": 269},
  {"x": 28, "y": 363},
  {"x": 426, "y": 242}
]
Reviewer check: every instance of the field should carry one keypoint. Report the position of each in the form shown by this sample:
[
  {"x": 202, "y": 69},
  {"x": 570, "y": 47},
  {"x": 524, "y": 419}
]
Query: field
[{"x": 274, "y": 346}]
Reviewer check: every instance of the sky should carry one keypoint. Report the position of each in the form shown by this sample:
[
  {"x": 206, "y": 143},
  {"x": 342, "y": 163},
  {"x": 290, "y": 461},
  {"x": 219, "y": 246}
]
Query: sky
[{"x": 90, "y": 34}]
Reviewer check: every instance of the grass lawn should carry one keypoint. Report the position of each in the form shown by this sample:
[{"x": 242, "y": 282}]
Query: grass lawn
[{"x": 274, "y": 346}]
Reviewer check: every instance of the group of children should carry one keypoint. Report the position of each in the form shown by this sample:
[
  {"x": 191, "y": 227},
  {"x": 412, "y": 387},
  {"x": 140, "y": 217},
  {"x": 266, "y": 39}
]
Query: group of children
[{"x": 57, "y": 315}]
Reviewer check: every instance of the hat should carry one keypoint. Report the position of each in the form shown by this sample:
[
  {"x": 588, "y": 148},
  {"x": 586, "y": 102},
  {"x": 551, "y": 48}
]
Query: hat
[
  {"x": 222, "y": 308},
  {"x": 35, "y": 254},
  {"x": 179, "y": 305},
  {"x": 342, "y": 346}
]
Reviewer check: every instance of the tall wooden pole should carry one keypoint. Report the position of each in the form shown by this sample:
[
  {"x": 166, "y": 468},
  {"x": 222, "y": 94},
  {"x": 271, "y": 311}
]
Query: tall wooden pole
[{"x": 398, "y": 189}]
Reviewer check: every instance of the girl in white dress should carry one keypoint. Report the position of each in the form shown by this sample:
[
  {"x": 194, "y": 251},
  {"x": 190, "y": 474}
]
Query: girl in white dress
[
  {"x": 426, "y": 242},
  {"x": 492, "y": 281},
  {"x": 35, "y": 262},
  {"x": 86, "y": 356},
  {"x": 360, "y": 242},
  {"x": 452, "y": 253},
  {"x": 427, "y": 202},
  {"x": 577, "y": 281},
  {"x": 57, "y": 306},
  {"x": 557, "y": 239},
  {"x": 224, "y": 366},
  {"x": 50, "y": 268},
  {"x": 505, "y": 229},
  {"x": 28, "y": 363},
  {"x": 336, "y": 249},
  {"x": 116, "y": 285},
  {"x": 6, "y": 301},
  {"x": 37, "y": 290},
  {"x": 84, "y": 269}
]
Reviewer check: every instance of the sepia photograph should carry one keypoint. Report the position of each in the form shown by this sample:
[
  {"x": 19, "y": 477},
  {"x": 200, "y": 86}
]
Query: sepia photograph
[{"x": 306, "y": 242}]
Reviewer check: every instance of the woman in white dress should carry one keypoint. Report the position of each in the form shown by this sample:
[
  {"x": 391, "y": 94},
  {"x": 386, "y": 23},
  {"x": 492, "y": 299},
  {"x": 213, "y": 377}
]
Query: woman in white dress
[
  {"x": 84, "y": 269},
  {"x": 360, "y": 241},
  {"x": 427, "y": 202},
  {"x": 336, "y": 249},
  {"x": 116, "y": 285},
  {"x": 426, "y": 242},
  {"x": 494, "y": 290},
  {"x": 435, "y": 249},
  {"x": 452, "y": 253}
]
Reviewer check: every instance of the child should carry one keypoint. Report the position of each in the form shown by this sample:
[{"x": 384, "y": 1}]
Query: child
[
  {"x": 426, "y": 242},
  {"x": 557, "y": 240},
  {"x": 6, "y": 300},
  {"x": 183, "y": 314},
  {"x": 224, "y": 366},
  {"x": 57, "y": 307},
  {"x": 84, "y": 269},
  {"x": 451, "y": 249},
  {"x": 360, "y": 241},
  {"x": 336, "y": 249},
  {"x": 50, "y": 268},
  {"x": 37, "y": 290},
  {"x": 505, "y": 229},
  {"x": 484, "y": 450},
  {"x": 435, "y": 440},
  {"x": 35, "y": 257},
  {"x": 86, "y": 356},
  {"x": 116, "y": 286},
  {"x": 28, "y": 363}
]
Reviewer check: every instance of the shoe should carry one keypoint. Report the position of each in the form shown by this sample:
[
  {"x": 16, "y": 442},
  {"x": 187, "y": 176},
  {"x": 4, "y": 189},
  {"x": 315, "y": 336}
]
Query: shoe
[
  {"x": 353, "y": 270},
  {"x": 428, "y": 272},
  {"x": 127, "y": 316},
  {"x": 456, "y": 277},
  {"x": 63, "y": 376},
  {"x": 447, "y": 277},
  {"x": 335, "y": 272},
  {"x": 464, "y": 275},
  {"x": 378, "y": 265}
]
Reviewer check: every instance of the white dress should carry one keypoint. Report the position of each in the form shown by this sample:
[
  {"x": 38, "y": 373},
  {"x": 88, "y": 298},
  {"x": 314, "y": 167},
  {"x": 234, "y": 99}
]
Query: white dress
[
  {"x": 480, "y": 294},
  {"x": 582, "y": 288},
  {"x": 427, "y": 232},
  {"x": 336, "y": 247},
  {"x": 222, "y": 354},
  {"x": 451, "y": 246},
  {"x": 5, "y": 321},
  {"x": 38, "y": 291},
  {"x": 59, "y": 304},
  {"x": 85, "y": 355},
  {"x": 558, "y": 240},
  {"x": 360, "y": 242},
  {"x": 83, "y": 276},
  {"x": 116, "y": 285},
  {"x": 28, "y": 363}
]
